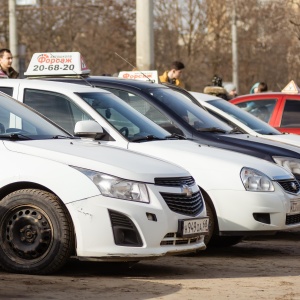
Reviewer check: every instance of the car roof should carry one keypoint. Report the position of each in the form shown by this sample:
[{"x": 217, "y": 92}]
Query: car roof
[
  {"x": 264, "y": 95},
  {"x": 137, "y": 83},
  {"x": 58, "y": 86}
]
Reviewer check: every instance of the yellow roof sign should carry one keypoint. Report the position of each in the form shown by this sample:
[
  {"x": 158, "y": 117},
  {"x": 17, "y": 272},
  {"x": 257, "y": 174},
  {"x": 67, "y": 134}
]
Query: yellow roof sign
[
  {"x": 56, "y": 64},
  {"x": 291, "y": 88}
]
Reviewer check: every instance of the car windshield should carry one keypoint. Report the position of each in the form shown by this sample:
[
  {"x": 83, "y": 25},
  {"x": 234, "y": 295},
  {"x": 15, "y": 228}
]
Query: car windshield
[
  {"x": 129, "y": 122},
  {"x": 253, "y": 122},
  {"x": 189, "y": 112},
  {"x": 18, "y": 121}
]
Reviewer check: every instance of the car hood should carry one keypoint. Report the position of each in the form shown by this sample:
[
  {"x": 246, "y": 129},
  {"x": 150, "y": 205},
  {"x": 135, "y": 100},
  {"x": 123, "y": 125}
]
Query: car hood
[
  {"x": 211, "y": 167},
  {"x": 276, "y": 147},
  {"x": 290, "y": 139},
  {"x": 107, "y": 159}
]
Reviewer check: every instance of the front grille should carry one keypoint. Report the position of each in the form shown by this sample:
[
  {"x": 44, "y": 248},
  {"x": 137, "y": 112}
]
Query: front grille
[
  {"x": 182, "y": 204},
  {"x": 175, "y": 181},
  {"x": 171, "y": 239},
  {"x": 290, "y": 186},
  {"x": 292, "y": 219}
]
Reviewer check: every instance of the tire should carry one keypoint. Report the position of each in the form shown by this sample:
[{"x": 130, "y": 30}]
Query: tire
[
  {"x": 36, "y": 235},
  {"x": 224, "y": 241},
  {"x": 211, "y": 224}
]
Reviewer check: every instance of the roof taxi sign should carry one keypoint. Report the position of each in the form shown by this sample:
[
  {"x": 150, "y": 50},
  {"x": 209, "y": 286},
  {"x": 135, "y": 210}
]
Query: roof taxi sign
[
  {"x": 140, "y": 75},
  {"x": 56, "y": 64},
  {"x": 291, "y": 88}
]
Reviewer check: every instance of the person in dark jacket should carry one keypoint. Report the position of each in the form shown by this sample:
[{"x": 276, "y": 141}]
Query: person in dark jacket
[{"x": 6, "y": 70}]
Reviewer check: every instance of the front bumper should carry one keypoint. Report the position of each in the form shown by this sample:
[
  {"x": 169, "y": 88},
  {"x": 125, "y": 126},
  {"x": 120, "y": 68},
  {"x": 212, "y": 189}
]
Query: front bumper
[
  {"x": 95, "y": 237},
  {"x": 246, "y": 213}
]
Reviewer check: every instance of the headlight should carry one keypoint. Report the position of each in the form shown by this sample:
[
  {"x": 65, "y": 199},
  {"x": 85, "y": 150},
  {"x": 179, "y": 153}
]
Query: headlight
[
  {"x": 289, "y": 163},
  {"x": 256, "y": 181},
  {"x": 115, "y": 187}
]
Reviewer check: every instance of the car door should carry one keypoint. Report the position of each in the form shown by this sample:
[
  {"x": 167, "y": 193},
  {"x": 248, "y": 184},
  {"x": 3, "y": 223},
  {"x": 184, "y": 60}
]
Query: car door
[
  {"x": 262, "y": 107},
  {"x": 289, "y": 118}
]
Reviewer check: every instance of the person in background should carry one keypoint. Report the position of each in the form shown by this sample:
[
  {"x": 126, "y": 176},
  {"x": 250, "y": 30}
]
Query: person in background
[
  {"x": 172, "y": 76},
  {"x": 216, "y": 88},
  {"x": 6, "y": 70},
  {"x": 231, "y": 90},
  {"x": 262, "y": 87},
  {"x": 253, "y": 90},
  {"x": 217, "y": 81}
]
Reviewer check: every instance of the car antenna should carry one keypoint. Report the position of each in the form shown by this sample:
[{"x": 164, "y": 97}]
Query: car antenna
[
  {"x": 134, "y": 67},
  {"x": 279, "y": 86}
]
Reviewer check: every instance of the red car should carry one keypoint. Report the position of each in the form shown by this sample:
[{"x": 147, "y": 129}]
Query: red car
[{"x": 280, "y": 110}]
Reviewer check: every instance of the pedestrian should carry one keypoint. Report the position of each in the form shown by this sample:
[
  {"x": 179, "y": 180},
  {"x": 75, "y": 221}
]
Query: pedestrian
[
  {"x": 217, "y": 81},
  {"x": 231, "y": 90},
  {"x": 262, "y": 87},
  {"x": 253, "y": 90},
  {"x": 216, "y": 88},
  {"x": 6, "y": 70},
  {"x": 172, "y": 76}
]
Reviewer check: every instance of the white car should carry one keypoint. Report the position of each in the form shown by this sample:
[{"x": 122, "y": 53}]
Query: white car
[
  {"x": 241, "y": 119},
  {"x": 61, "y": 196},
  {"x": 244, "y": 195}
]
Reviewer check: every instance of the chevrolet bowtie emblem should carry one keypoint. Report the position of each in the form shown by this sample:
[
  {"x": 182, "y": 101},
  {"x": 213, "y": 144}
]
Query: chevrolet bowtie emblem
[
  {"x": 294, "y": 186},
  {"x": 185, "y": 189}
]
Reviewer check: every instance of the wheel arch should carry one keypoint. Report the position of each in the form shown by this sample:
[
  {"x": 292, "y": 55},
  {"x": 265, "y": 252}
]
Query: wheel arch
[
  {"x": 6, "y": 190},
  {"x": 208, "y": 201}
]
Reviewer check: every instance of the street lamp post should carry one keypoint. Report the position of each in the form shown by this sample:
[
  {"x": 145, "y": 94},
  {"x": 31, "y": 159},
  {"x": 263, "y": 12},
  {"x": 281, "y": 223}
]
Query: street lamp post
[
  {"x": 13, "y": 37},
  {"x": 144, "y": 35},
  {"x": 235, "y": 71}
]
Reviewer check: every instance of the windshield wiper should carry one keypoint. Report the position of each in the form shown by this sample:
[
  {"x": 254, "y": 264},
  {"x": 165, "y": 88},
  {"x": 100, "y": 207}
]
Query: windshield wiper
[
  {"x": 62, "y": 137},
  {"x": 15, "y": 136},
  {"x": 236, "y": 130},
  {"x": 149, "y": 137},
  {"x": 176, "y": 136},
  {"x": 212, "y": 129}
]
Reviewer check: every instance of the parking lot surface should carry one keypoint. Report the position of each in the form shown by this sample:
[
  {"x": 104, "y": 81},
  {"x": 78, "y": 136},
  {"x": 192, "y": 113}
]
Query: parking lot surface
[{"x": 257, "y": 268}]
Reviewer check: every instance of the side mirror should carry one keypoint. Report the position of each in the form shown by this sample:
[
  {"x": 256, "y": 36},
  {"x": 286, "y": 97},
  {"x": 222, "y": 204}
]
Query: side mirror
[{"x": 88, "y": 129}]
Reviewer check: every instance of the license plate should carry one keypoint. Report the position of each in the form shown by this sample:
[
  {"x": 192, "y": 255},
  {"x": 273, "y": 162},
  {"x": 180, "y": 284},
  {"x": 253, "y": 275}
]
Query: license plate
[
  {"x": 192, "y": 227},
  {"x": 295, "y": 207}
]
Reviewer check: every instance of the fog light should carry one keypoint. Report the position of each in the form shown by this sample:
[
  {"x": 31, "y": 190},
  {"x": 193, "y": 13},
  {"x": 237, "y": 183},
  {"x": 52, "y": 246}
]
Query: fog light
[
  {"x": 262, "y": 217},
  {"x": 151, "y": 217}
]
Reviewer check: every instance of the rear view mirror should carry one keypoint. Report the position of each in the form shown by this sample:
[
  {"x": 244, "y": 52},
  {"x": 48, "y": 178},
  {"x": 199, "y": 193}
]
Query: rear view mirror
[{"x": 88, "y": 129}]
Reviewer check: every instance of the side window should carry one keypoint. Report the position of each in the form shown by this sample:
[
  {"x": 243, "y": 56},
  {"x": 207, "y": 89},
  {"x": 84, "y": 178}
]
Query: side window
[
  {"x": 261, "y": 109},
  {"x": 56, "y": 107},
  {"x": 291, "y": 114},
  {"x": 4, "y": 120},
  {"x": 142, "y": 106},
  {"x": 7, "y": 90}
]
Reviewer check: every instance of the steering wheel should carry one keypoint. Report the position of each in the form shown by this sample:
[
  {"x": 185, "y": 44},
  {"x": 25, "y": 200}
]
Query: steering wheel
[{"x": 124, "y": 131}]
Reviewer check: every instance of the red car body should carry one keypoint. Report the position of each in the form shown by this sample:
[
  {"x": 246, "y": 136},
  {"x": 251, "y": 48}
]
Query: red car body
[{"x": 280, "y": 110}]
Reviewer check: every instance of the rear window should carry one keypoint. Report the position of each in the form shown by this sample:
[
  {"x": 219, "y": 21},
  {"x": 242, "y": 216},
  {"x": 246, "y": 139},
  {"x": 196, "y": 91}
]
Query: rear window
[{"x": 291, "y": 114}]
